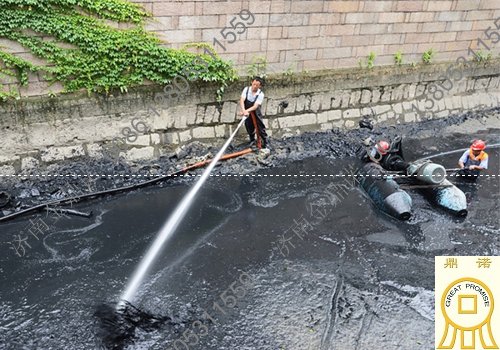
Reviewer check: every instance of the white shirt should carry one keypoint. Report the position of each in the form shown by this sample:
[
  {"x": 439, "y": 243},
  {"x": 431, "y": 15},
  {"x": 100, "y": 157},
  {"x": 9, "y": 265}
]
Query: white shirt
[
  {"x": 251, "y": 97},
  {"x": 465, "y": 157}
]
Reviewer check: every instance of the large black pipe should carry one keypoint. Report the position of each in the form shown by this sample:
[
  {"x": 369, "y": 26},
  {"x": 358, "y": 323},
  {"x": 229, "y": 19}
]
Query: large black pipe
[{"x": 385, "y": 192}]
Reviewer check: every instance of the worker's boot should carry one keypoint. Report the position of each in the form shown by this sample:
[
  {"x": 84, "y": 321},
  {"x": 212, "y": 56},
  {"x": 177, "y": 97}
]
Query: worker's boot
[
  {"x": 264, "y": 151},
  {"x": 264, "y": 143}
]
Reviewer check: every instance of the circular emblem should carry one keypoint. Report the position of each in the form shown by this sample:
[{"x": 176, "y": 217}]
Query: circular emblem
[
  {"x": 467, "y": 303},
  {"x": 467, "y": 306}
]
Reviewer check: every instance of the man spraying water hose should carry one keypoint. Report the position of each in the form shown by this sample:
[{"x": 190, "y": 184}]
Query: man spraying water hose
[{"x": 250, "y": 102}]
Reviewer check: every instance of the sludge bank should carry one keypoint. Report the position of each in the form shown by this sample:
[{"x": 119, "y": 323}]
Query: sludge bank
[{"x": 73, "y": 179}]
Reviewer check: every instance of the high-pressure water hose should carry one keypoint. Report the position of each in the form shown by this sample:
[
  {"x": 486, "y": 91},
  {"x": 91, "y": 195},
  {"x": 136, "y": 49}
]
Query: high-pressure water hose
[
  {"x": 495, "y": 145},
  {"x": 256, "y": 128},
  {"x": 121, "y": 189}
]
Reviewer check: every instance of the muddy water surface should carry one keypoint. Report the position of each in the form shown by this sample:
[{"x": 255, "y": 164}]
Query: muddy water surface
[{"x": 301, "y": 264}]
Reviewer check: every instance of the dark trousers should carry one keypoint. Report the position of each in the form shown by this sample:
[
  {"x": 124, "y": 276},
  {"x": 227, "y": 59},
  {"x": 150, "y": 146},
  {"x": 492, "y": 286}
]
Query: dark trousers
[
  {"x": 260, "y": 126},
  {"x": 468, "y": 174}
]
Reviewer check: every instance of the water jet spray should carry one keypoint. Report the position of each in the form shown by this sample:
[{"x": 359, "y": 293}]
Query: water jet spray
[{"x": 170, "y": 226}]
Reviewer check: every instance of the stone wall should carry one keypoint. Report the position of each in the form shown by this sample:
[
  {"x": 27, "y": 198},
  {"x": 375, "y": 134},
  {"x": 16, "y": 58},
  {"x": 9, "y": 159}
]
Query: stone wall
[
  {"x": 41, "y": 131},
  {"x": 319, "y": 34}
]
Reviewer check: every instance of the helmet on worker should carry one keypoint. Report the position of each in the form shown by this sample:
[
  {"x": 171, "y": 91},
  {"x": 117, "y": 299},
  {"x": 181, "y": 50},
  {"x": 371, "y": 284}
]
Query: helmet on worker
[
  {"x": 477, "y": 146},
  {"x": 383, "y": 147}
]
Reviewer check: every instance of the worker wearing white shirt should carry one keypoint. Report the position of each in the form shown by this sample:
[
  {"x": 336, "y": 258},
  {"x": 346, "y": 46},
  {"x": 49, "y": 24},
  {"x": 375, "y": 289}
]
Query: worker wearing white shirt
[
  {"x": 474, "y": 159},
  {"x": 250, "y": 101}
]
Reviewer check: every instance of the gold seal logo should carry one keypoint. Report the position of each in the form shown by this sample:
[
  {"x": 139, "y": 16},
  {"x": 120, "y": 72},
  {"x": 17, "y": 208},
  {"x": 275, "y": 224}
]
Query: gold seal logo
[{"x": 467, "y": 305}]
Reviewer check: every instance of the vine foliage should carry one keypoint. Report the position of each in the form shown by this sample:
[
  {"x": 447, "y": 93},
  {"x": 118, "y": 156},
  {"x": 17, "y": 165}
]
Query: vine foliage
[{"x": 81, "y": 47}]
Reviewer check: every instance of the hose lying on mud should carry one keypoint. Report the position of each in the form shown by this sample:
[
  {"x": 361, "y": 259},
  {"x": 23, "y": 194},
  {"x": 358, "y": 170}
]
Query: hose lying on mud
[
  {"x": 120, "y": 189},
  {"x": 165, "y": 177},
  {"x": 495, "y": 145}
]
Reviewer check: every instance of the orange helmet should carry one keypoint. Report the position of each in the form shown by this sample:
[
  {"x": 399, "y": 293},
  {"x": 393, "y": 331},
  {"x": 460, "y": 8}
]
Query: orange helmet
[
  {"x": 478, "y": 145},
  {"x": 383, "y": 147}
]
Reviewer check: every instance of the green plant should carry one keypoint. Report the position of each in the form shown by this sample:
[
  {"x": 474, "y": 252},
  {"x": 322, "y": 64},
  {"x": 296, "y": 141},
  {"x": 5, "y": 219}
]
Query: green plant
[
  {"x": 398, "y": 58},
  {"x": 225, "y": 73},
  {"x": 289, "y": 72},
  {"x": 258, "y": 67},
  {"x": 371, "y": 60},
  {"x": 428, "y": 55},
  {"x": 481, "y": 56},
  {"x": 288, "y": 75},
  {"x": 5, "y": 95},
  {"x": 305, "y": 72},
  {"x": 83, "y": 51},
  {"x": 220, "y": 94}
]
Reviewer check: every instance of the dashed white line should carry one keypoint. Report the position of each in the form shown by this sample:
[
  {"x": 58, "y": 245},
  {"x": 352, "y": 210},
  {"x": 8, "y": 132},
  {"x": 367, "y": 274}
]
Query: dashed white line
[{"x": 236, "y": 175}]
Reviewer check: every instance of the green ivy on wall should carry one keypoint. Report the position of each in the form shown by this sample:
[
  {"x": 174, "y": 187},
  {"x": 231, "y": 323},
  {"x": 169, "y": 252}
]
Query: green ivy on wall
[{"x": 83, "y": 52}]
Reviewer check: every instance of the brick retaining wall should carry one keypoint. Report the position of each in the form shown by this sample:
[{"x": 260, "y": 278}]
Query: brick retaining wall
[{"x": 314, "y": 35}]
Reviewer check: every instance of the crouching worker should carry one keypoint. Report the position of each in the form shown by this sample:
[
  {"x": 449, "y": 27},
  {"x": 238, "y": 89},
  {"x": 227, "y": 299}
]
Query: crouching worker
[
  {"x": 473, "y": 160},
  {"x": 370, "y": 152},
  {"x": 250, "y": 102},
  {"x": 379, "y": 151},
  {"x": 388, "y": 155}
]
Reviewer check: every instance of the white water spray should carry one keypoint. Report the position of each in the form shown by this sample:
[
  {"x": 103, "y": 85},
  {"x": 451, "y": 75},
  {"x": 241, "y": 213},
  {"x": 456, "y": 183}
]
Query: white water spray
[{"x": 169, "y": 227}]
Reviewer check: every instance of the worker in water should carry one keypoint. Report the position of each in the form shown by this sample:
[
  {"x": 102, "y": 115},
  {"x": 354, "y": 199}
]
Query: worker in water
[
  {"x": 373, "y": 153},
  {"x": 473, "y": 160},
  {"x": 378, "y": 151},
  {"x": 388, "y": 155},
  {"x": 250, "y": 102}
]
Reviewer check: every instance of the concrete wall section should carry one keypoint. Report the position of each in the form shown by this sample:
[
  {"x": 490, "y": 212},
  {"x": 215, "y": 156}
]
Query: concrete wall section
[{"x": 144, "y": 125}]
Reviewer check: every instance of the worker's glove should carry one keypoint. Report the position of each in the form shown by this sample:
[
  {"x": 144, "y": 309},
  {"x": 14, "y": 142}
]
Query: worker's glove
[{"x": 368, "y": 141}]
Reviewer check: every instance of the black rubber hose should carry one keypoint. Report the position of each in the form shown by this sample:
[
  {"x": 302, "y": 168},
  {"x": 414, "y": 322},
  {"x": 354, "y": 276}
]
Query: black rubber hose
[
  {"x": 121, "y": 189},
  {"x": 90, "y": 195}
]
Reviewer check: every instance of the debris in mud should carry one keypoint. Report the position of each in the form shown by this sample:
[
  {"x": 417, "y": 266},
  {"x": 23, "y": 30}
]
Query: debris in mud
[
  {"x": 116, "y": 326},
  {"x": 4, "y": 199}
]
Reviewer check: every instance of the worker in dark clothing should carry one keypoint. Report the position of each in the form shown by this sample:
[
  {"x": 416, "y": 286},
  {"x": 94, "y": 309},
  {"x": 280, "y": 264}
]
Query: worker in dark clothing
[
  {"x": 373, "y": 153},
  {"x": 473, "y": 160},
  {"x": 394, "y": 159},
  {"x": 250, "y": 102},
  {"x": 389, "y": 156}
]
